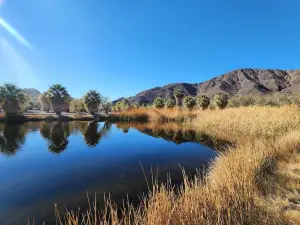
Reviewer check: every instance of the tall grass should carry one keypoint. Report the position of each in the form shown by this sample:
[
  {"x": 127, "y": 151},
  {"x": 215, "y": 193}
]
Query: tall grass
[
  {"x": 151, "y": 114},
  {"x": 256, "y": 181}
]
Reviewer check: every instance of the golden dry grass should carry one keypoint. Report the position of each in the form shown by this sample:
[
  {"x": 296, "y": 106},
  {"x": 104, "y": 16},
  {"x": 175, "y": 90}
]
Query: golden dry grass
[
  {"x": 256, "y": 181},
  {"x": 152, "y": 114}
]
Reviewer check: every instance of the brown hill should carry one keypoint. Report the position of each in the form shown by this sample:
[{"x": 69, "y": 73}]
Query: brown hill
[{"x": 237, "y": 82}]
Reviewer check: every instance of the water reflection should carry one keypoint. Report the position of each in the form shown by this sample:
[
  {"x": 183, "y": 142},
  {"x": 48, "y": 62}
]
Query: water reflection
[
  {"x": 59, "y": 134},
  {"x": 176, "y": 133},
  {"x": 114, "y": 165},
  {"x": 12, "y": 137},
  {"x": 91, "y": 134}
]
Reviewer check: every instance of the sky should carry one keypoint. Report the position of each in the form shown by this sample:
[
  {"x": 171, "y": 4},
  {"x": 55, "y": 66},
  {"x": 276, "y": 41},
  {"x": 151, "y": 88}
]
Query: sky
[{"x": 122, "y": 47}]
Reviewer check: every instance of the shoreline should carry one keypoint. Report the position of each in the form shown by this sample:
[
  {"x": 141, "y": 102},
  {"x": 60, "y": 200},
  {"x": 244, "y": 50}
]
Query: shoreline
[{"x": 50, "y": 118}]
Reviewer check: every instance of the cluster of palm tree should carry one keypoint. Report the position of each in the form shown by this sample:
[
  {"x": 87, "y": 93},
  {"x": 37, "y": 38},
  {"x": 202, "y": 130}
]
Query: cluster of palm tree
[
  {"x": 14, "y": 100},
  {"x": 220, "y": 100},
  {"x": 57, "y": 134}
]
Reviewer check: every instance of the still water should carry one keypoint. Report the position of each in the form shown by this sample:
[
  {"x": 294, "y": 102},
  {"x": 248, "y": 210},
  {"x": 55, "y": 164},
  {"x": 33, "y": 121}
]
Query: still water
[{"x": 46, "y": 163}]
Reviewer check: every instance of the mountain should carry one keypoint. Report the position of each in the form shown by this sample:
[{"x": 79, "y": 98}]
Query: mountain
[
  {"x": 237, "y": 82},
  {"x": 32, "y": 93}
]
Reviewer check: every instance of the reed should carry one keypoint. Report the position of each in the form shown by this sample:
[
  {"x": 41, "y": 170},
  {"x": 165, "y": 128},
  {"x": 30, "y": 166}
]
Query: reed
[{"x": 256, "y": 181}]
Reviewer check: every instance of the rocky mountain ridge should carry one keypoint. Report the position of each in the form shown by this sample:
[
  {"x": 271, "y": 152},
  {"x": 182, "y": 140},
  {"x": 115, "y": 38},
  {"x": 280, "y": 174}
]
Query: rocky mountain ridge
[{"x": 237, "y": 82}]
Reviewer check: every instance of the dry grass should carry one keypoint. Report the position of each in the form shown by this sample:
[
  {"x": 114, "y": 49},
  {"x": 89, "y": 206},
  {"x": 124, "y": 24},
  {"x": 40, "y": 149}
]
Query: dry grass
[
  {"x": 152, "y": 114},
  {"x": 256, "y": 181}
]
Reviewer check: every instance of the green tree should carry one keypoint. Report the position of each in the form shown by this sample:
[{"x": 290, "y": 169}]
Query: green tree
[
  {"x": 58, "y": 96},
  {"x": 158, "y": 103},
  {"x": 178, "y": 94},
  {"x": 202, "y": 102},
  {"x": 92, "y": 100},
  {"x": 169, "y": 104},
  {"x": 77, "y": 105},
  {"x": 221, "y": 100},
  {"x": 119, "y": 106},
  {"x": 105, "y": 105},
  {"x": 13, "y": 99},
  {"x": 189, "y": 102},
  {"x": 45, "y": 101}
]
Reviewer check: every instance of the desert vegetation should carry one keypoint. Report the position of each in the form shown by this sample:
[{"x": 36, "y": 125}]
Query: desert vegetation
[
  {"x": 254, "y": 181},
  {"x": 15, "y": 101},
  {"x": 12, "y": 99}
]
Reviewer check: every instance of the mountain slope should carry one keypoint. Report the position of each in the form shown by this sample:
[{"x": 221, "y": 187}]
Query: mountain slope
[
  {"x": 32, "y": 93},
  {"x": 237, "y": 82}
]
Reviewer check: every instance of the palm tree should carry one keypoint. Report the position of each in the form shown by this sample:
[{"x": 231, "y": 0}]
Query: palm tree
[
  {"x": 92, "y": 99},
  {"x": 45, "y": 101},
  {"x": 203, "y": 102},
  {"x": 58, "y": 96},
  {"x": 189, "y": 102},
  {"x": 13, "y": 99},
  {"x": 178, "y": 94},
  {"x": 221, "y": 100}
]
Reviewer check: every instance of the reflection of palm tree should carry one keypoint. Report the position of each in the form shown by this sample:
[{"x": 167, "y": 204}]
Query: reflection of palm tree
[
  {"x": 106, "y": 129},
  {"x": 45, "y": 130},
  {"x": 91, "y": 134},
  {"x": 58, "y": 137},
  {"x": 12, "y": 137}
]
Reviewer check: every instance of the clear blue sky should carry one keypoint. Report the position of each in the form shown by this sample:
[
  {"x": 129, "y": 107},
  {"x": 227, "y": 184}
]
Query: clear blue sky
[{"x": 121, "y": 47}]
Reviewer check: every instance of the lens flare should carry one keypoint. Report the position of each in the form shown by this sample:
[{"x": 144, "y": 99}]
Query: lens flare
[{"x": 14, "y": 33}]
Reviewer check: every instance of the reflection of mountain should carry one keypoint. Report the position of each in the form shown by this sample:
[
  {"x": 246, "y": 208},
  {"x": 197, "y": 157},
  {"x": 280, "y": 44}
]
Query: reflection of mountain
[
  {"x": 12, "y": 137},
  {"x": 91, "y": 134},
  {"x": 176, "y": 133}
]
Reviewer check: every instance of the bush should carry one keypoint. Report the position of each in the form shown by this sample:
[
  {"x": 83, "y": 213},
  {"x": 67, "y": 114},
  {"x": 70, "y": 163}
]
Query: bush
[
  {"x": 77, "y": 105},
  {"x": 189, "y": 102},
  {"x": 158, "y": 103},
  {"x": 233, "y": 102},
  {"x": 203, "y": 101},
  {"x": 221, "y": 100},
  {"x": 169, "y": 104},
  {"x": 276, "y": 99}
]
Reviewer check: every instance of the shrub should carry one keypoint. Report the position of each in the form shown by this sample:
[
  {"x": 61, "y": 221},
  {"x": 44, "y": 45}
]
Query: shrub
[
  {"x": 169, "y": 104},
  {"x": 158, "y": 103},
  {"x": 77, "y": 105},
  {"x": 189, "y": 102},
  {"x": 203, "y": 101},
  {"x": 221, "y": 100},
  {"x": 125, "y": 104},
  {"x": 136, "y": 105}
]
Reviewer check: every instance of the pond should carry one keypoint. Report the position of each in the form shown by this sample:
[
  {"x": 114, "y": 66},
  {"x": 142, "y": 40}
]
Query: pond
[{"x": 46, "y": 163}]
